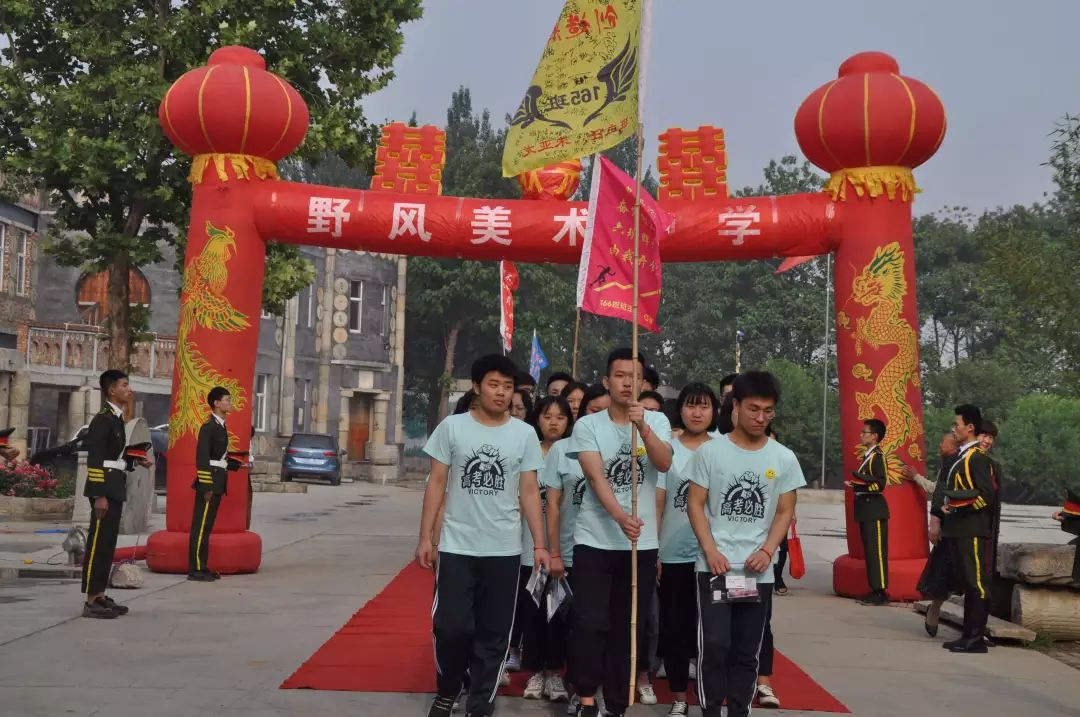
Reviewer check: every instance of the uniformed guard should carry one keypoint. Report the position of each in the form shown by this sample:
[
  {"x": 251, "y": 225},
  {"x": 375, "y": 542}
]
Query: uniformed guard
[
  {"x": 212, "y": 463},
  {"x": 106, "y": 487},
  {"x": 1069, "y": 517},
  {"x": 7, "y": 451},
  {"x": 969, "y": 505},
  {"x": 872, "y": 512}
]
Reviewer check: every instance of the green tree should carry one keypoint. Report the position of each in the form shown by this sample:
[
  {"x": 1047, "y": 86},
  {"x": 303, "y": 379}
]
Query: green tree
[
  {"x": 80, "y": 83},
  {"x": 1039, "y": 449},
  {"x": 453, "y": 303},
  {"x": 799, "y": 420},
  {"x": 705, "y": 304}
]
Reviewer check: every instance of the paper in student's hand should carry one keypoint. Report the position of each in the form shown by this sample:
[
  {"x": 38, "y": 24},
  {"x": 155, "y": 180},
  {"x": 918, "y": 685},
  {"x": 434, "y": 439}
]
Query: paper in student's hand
[
  {"x": 559, "y": 597},
  {"x": 536, "y": 584}
]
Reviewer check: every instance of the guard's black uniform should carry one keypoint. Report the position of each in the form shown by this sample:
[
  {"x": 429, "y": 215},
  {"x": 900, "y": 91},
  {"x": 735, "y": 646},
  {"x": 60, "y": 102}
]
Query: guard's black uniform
[
  {"x": 872, "y": 515},
  {"x": 1070, "y": 523},
  {"x": 969, "y": 525},
  {"x": 106, "y": 476},
  {"x": 210, "y": 475}
]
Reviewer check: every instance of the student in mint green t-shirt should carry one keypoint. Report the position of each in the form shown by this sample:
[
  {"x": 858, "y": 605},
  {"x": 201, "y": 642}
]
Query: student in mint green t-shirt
[
  {"x": 695, "y": 414},
  {"x": 599, "y": 648},
  {"x": 544, "y": 647},
  {"x": 483, "y": 464},
  {"x": 741, "y": 502}
]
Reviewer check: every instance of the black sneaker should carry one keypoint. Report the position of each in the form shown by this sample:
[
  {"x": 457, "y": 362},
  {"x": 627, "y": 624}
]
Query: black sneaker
[
  {"x": 98, "y": 611},
  {"x": 115, "y": 606},
  {"x": 441, "y": 707},
  {"x": 592, "y": 710},
  {"x": 200, "y": 577},
  {"x": 214, "y": 574},
  {"x": 876, "y": 599}
]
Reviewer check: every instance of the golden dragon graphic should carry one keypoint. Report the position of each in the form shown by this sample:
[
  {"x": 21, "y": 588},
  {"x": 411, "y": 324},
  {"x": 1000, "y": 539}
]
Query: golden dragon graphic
[
  {"x": 203, "y": 303},
  {"x": 882, "y": 287}
]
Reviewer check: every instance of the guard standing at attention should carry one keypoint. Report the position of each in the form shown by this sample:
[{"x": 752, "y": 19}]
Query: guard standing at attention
[
  {"x": 970, "y": 497},
  {"x": 106, "y": 487},
  {"x": 872, "y": 512},
  {"x": 212, "y": 463}
]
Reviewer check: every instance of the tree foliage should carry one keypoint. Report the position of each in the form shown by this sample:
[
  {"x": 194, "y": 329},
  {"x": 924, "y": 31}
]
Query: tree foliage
[
  {"x": 80, "y": 83},
  {"x": 995, "y": 293}
]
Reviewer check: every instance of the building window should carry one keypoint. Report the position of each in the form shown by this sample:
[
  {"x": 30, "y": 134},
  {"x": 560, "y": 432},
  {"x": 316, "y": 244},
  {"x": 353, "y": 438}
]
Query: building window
[
  {"x": 92, "y": 295},
  {"x": 262, "y": 381},
  {"x": 303, "y": 394},
  {"x": 385, "y": 311},
  {"x": 20, "y": 263},
  {"x": 356, "y": 307},
  {"x": 3, "y": 255},
  {"x": 311, "y": 306}
]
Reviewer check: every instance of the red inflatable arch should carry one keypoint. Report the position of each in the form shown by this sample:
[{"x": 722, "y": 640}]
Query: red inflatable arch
[{"x": 868, "y": 128}]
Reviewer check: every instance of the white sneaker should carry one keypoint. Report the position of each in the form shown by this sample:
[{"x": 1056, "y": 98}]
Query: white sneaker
[
  {"x": 555, "y": 690},
  {"x": 661, "y": 672},
  {"x": 767, "y": 699},
  {"x": 504, "y": 679},
  {"x": 645, "y": 694},
  {"x": 534, "y": 688},
  {"x": 513, "y": 660},
  {"x": 571, "y": 707},
  {"x": 693, "y": 669},
  {"x": 678, "y": 709}
]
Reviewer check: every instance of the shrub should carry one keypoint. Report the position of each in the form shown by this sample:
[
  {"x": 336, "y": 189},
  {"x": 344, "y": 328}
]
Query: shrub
[{"x": 23, "y": 480}]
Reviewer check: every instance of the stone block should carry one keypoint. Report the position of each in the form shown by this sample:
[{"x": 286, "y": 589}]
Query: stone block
[
  {"x": 139, "y": 505},
  {"x": 81, "y": 514},
  {"x": 263, "y": 487},
  {"x": 14, "y": 508},
  {"x": 1036, "y": 563},
  {"x": 1050, "y": 610},
  {"x": 382, "y": 454}
]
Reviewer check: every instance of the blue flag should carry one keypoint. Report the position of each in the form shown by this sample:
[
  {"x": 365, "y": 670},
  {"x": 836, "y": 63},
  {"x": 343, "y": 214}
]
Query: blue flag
[{"x": 537, "y": 359}]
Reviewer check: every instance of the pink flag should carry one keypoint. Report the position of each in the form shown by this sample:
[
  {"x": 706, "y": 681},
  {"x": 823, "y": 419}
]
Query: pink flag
[
  {"x": 793, "y": 261},
  {"x": 508, "y": 284},
  {"x": 606, "y": 273}
]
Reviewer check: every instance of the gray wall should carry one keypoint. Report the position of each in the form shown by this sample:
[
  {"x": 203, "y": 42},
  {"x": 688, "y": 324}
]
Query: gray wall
[{"x": 57, "y": 302}]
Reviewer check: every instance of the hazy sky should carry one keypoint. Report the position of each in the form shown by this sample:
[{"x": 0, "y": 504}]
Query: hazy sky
[{"x": 1006, "y": 70}]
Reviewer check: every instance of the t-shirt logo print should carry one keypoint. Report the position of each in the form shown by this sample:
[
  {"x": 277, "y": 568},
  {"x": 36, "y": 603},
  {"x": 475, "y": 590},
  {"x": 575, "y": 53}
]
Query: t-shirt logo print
[
  {"x": 579, "y": 491},
  {"x": 484, "y": 471},
  {"x": 682, "y": 496},
  {"x": 618, "y": 470},
  {"x": 745, "y": 499}
]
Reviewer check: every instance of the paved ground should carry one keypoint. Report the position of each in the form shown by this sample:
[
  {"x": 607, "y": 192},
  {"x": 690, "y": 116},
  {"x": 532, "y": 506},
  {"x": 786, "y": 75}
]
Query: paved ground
[{"x": 222, "y": 649}]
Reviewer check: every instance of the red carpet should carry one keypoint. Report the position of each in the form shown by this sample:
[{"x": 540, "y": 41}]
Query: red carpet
[{"x": 386, "y": 647}]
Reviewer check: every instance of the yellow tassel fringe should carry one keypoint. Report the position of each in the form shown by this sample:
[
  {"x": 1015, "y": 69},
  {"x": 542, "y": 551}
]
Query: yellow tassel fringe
[
  {"x": 243, "y": 165},
  {"x": 874, "y": 181}
]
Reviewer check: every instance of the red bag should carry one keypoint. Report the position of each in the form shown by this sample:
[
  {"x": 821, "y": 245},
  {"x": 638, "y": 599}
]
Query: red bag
[{"x": 796, "y": 561}]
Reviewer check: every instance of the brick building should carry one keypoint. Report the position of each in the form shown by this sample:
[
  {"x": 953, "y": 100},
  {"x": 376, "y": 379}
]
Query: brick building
[
  {"x": 333, "y": 363},
  {"x": 20, "y": 228}
]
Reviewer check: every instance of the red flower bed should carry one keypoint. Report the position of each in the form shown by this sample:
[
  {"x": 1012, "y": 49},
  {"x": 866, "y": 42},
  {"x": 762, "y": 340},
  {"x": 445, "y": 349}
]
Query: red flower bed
[{"x": 23, "y": 480}]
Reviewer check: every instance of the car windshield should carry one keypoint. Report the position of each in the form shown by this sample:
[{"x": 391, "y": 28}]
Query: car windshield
[{"x": 309, "y": 440}]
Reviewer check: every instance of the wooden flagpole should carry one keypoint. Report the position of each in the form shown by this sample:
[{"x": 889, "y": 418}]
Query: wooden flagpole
[
  {"x": 643, "y": 28},
  {"x": 633, "y": 428},
  {"x": 577, "y": 334}
]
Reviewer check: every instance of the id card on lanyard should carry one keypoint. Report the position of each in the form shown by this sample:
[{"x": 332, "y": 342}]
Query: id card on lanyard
[{"x": 733, "y": 588}]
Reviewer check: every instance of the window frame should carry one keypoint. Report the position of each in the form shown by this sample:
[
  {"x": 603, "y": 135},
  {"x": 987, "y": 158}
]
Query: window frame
[
  {"x": 259, "y": 401},
  {"x": 22, "y": 261},
  {"x": 4, "y": 227},
  {"x": 356, "y": 303}
]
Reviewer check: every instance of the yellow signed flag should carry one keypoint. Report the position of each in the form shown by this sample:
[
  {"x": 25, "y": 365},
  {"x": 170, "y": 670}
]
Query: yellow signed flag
[{"x": 583, "y": 97}]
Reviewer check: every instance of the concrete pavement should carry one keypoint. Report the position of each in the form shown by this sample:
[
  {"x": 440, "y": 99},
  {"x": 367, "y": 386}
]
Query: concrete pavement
[{"x": 222, "y": 649}]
